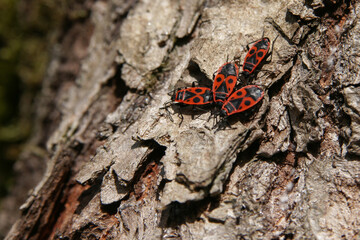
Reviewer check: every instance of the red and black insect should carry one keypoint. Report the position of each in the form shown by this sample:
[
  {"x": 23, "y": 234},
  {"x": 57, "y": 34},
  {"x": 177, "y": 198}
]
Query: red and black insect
[
  {"x": 193, "y": 96},
  {"x": 242, "y": 99},
  {"x": 256, "y": 55},
  {"x": 224, "y": 82}
]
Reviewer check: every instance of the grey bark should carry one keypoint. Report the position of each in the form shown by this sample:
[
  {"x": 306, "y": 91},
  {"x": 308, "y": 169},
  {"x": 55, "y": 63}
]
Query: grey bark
[{"x": 119, "y": 166}]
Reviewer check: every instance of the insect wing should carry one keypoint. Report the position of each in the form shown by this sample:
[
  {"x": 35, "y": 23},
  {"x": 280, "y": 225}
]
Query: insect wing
[
  {"x": 225, "y": 81},
  {"x": 256, "y": 55},
  {"x": 243, "y": 99}
]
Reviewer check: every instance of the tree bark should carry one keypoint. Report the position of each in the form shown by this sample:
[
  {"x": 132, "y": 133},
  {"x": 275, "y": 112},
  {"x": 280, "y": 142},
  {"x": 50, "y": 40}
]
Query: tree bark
[{"x": 120, "y": 166}]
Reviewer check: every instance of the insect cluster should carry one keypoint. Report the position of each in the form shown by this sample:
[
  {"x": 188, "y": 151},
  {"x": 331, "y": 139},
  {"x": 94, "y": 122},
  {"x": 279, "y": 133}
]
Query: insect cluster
[{"x": 222, "y": 93}]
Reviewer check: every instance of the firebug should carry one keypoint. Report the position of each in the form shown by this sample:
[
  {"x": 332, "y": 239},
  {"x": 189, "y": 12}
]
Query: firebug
[
  {"x": 193, "y": 96},
  {"x": 224, "y": 82},
  {"x": 258, "y": 52},
  {"x": 242, "y": 99}
]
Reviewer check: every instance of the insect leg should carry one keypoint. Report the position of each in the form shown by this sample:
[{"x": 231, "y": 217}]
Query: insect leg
[
  {"x": 272, "y": 48},
  {"x": 181, "y": 117},
  {"x": 166, "y": 108}
]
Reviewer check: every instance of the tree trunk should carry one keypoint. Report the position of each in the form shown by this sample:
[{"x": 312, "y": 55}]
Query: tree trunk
[{"x": 120, "y": 166}]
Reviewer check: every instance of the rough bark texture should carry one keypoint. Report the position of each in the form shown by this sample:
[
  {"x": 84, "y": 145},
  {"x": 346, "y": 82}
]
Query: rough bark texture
[{"x": 120, "y": 167}]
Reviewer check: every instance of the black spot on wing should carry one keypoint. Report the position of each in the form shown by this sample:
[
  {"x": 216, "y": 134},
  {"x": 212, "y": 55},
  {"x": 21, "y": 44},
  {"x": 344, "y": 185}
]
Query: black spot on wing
[
  {"x": 218, "y": 79},
  {"x": 196, "y": 99},
  {"x": 198, "y": 90}
]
